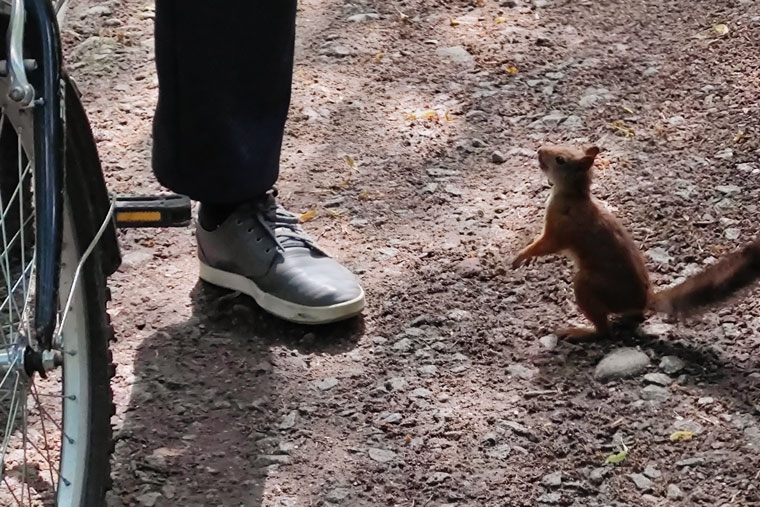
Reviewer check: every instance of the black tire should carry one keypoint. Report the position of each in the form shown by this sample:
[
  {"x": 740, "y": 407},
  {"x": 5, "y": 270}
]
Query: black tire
[
  {"x": 88, "y": 442},
  {"x": 82, "y": 164}
]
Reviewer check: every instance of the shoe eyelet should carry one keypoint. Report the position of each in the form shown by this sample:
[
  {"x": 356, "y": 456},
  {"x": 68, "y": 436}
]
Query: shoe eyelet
[
  {"x": 250, "y": 230},
  {"x": 268, "y": 250},
  {"x": 239, "y": 221}
]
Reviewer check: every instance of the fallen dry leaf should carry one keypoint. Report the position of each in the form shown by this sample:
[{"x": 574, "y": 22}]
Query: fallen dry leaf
[
  {"x": 681, "y": 435},
  {"x": 453, "y": 22},
  {"x": 720, "y": 29},
  {"x": 350, "y": 161},
  {"x": 305, "y": 217},
  {"x": 500, "y": 19},
  {"x": 511, "y": 69}
]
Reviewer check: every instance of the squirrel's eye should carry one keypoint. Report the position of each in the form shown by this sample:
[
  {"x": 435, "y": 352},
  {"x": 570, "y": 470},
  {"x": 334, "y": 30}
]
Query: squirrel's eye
[{"x": 560, "y": 160}]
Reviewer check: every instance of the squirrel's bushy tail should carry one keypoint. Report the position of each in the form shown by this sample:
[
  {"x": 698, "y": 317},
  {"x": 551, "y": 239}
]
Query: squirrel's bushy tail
[{"x": 719, "y": 282}]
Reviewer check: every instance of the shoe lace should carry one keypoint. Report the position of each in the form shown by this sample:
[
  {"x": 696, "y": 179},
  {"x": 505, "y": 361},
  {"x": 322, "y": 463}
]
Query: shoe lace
[{"x": 281, "y": 225}]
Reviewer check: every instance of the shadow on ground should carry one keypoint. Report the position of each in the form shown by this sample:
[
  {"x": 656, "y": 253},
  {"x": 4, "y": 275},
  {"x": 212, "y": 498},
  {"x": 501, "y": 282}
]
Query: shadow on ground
[{"x": 203, "y": 395}]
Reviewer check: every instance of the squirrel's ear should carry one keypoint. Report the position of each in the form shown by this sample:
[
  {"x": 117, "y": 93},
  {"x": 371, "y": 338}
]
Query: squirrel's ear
[
  {"x": 592, "y": 151},
  {"x": 586, "y": 162}
]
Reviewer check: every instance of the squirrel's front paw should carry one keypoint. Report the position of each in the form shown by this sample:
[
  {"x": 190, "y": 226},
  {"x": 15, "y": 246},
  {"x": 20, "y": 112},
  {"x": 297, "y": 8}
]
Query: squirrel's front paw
[{"x": 520, "y": 260}]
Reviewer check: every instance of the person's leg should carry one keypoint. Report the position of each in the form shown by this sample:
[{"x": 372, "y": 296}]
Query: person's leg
[
  {"x": 224, "y": 72},
  {"x": 224, "y": 91}
]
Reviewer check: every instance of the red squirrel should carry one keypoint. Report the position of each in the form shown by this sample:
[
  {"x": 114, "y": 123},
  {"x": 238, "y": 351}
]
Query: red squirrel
[{"x": 611, "y": 276}]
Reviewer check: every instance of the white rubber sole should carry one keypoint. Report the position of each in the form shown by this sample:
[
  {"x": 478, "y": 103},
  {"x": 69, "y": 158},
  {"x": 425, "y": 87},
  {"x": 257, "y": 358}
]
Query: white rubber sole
[{"x": 286, "y": 310}]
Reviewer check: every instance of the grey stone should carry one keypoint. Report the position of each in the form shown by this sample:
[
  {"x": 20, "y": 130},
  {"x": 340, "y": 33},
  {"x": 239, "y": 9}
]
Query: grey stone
[
  {"x": 326, "y": 383},
  {"x": 597, "y": 475},
  {"x": 335, "y": 49},
  {"x": 732, "y": 233},
  {"x": 746, "y": 167},
  {"x": 403, "y": 345},
  {"x": 396, "y": 383},
  {"x": 657, "y": 328},
  {"x": 334, "y": 202},
  {"x": 690, "y": 462},
  {"x": 500, "y": 451},
  {"x": 521, "y": 430},
  {"x": 169, "y": 491},
  {"x": 652, "y": 472},
  {"x": 382, "y": 455},
  {"x": 641, "y": 482},
  {"x": 489, "y": 439},
  {"x": 671, "y": 364},
  {"x": 430, "y": 188},
  {"x": 621, "y": 363},
  {"x": 265, "y": 460},
  {"x": 688, "y": 425},
  {"x": 550, "y": 498},
  {"x": 498, "y": 157},
  {"x": 706, "y": 400},
  {"x": 522, "y": 371},
  {"x": 437, "y": 478},
  {"x": 135, "y": 258},
  {"x": 393, "y": 418},
  {"x": 361, "y": 18},
  {"x": 420, "y": 392},
  {"x": 726, "y": 154},
  {"x": 650, "y": 71},
  {"x": 427, "y": 370},
  {"x": 659, "y": 379},
  {"x": 655, "y": 393},
  {"x": 659, "y": 255},
  {"x": 521, "y": 152},
  {"x": 674, "y": 492},
  {"x": 457, "y": 54},
  {"x": 549, "y": 341},
  {"x": 337, "y": 496},
  {"x": 553, "y": 119},
  {"x": 468, "y": 267},
  {"x": 99, "y": 10},
  {"x": 728, "y": 189},
  {"x": 452, "y": 189},
  {"x": 572, "y": 122},
  {"x": 289, "y": 420},
  {"x": 148, "y": 499},
  {"x": 548, "y": 90},
  {"x": 552, "y": 480},
  {"x": 285, "y": 448}
]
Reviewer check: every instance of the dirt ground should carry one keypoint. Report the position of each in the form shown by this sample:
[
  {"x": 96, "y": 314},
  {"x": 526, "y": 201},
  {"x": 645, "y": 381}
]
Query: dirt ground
[{"x": 450, "y": 389}]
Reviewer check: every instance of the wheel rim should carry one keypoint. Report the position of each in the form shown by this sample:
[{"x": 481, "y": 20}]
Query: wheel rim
[{"x": 43, "y": 422}]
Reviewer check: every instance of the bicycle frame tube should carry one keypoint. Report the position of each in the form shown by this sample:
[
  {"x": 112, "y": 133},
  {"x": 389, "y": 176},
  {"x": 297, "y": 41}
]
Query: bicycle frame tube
[{"x": 48, "y": 170}]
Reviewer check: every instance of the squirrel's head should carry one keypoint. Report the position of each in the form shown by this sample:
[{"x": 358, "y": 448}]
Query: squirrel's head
[{"x": 567, "y": 165}]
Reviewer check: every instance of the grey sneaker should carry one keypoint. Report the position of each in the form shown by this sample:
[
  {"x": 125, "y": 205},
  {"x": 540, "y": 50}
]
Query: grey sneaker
[{"x": 261, "y": 250}]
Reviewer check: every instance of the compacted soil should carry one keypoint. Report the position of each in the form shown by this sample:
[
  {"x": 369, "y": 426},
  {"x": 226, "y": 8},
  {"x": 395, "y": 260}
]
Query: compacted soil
[{"x": 412, "y": 135}]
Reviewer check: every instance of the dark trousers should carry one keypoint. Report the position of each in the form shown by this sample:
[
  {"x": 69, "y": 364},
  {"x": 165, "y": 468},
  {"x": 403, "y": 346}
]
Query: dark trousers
[{"x": 224, "y": 75}]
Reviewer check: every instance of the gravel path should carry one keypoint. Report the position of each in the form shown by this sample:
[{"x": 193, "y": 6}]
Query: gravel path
[{"x": 451, "y": 389}]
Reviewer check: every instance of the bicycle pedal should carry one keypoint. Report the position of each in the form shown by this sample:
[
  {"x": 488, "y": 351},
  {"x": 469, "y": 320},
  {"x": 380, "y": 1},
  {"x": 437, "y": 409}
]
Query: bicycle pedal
[{"x": 134, "y": 211}]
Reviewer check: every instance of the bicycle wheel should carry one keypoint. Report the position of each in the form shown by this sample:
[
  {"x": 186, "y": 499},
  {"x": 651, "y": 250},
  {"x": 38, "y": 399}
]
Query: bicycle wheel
[{"x": 55, "y": 433}]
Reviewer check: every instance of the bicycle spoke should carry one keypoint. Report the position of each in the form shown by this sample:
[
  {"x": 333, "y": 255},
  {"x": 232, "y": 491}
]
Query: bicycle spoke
[
  {"x": 36, "y": 395},
  {"x": 5, "y": 480}
]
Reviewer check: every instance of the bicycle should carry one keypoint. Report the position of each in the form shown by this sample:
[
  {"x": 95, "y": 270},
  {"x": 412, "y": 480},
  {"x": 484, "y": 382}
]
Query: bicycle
[{"x": 58, "y": 244}]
